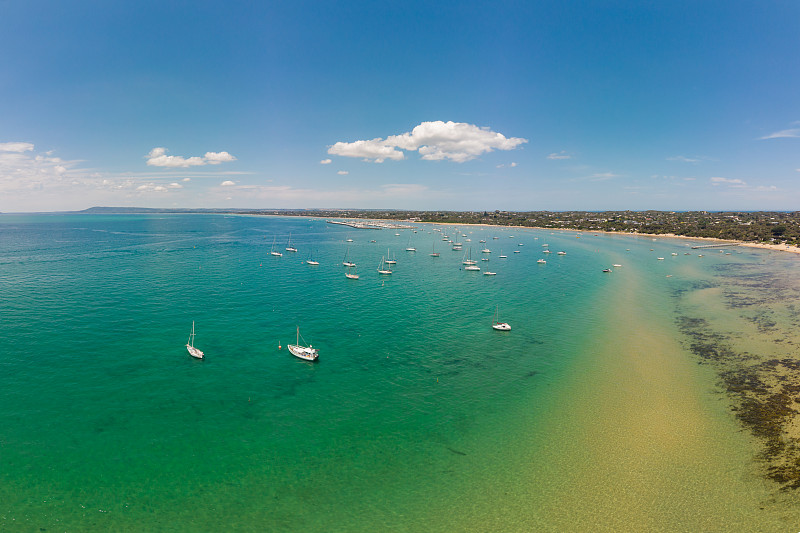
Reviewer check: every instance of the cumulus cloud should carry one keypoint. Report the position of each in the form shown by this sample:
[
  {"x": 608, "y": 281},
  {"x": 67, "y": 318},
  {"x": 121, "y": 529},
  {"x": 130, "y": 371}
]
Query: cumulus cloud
[
  {"x": 16, "y": 147},
  {"x": 325, "y": 162},
  {"x": 215, "y": 158},
  {"x": 376, "y": 149},
  {"x": 435, "y": 141},
  {"x": 158, "y": 158},
  {"x": 793, "y": 132},
  {"x": 559, "y": 155},
  {"x": 227, "y": 183},
  {"x": 343, "y": 173}
]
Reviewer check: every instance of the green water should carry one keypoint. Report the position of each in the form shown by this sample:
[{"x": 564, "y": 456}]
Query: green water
[{"x": 417, "y": 417}]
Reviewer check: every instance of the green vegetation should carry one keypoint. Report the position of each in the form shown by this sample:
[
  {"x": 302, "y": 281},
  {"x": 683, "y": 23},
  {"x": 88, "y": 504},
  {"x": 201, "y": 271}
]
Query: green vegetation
[
  {"x": 773, "y": 227},
  {"x": 766, "y": 227}
]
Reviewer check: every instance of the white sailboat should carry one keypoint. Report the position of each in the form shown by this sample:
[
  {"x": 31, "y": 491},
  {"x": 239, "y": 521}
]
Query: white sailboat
[
  {"x": 345, "y": 262},
  {"x": 434, "y": 253},
  {"x": 303, "y": 352},
  {"x": 383, "y": 268},
  {"x": 351, "y": 275},
  {"x": 410, "y": 248},
  {"x": 499, "y": 326},
  {"x": 289, "y": 247},
  {"x": 390, "y": 261},
  {"x": 194, "y": 352},
  {"x": 469, "y": 261},
  {"x": 273, "y": 251},
  {"x": 310, "y": 259}
]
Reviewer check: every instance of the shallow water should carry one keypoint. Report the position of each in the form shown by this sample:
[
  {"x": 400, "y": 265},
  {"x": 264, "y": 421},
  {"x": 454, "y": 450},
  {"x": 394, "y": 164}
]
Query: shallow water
[{"x": 590, "y": 414}]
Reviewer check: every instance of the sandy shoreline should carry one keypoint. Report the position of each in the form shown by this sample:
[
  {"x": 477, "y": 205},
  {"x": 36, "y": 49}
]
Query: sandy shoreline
[{"x": 710, "y": 240}]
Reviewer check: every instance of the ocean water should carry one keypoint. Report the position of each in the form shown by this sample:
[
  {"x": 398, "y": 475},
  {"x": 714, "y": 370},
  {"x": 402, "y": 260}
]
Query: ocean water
[{"x": 590, "y": 414}]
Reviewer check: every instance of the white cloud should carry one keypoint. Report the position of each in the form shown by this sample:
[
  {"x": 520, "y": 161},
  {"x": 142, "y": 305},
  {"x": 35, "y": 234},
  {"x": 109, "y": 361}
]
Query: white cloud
[
  {"x": 186, "y": 179},
  {"x": 683, "y": 159},
  {"x": 175, "y": 186},
  {"x": 603, "y": 176},
  {"x": 435, "y": 141},
  {"x": 762, "y": 188},
  {"x": 215, "y": 158},
  {"x": 794, "y": 132},
  {"x": 343, "y": 173},
  {"x": 151, "y": 187},
  {"x": 376, "y": 149},
  {"x": 559, "y": 155},
  {"x": 158, "y": 158},
  {"x": 733, "y": 182},
  {"x": 325, "y": 162},
  {"x": 510, "y": 165},
  {"x": 227, "y": 183},
  {"x": 16, "y": 147}
]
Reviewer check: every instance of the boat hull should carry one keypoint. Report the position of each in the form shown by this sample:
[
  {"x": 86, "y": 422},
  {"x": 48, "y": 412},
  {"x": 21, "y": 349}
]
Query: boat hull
[
  {"x": 194, "y": 352},
  {"x": 304, "y": 353}
]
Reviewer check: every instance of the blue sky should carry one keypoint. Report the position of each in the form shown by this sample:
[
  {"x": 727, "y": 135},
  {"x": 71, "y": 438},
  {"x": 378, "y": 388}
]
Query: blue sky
[{"x": 408, "y": 105}]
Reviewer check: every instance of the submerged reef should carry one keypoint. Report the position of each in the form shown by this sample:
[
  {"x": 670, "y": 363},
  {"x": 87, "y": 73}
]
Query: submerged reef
[{"x": 764, "y": 393}]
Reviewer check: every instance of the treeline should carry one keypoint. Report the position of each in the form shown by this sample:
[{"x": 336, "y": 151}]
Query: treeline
[{"x": 759, "y": 226}]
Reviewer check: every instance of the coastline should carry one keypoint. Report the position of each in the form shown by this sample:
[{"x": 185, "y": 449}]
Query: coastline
[{"x": 748, "y": 244}]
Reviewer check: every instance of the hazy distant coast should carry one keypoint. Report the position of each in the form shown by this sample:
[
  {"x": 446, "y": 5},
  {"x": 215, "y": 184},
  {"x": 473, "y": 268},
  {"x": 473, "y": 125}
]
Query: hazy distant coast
[{"x": 774, "y": 230}]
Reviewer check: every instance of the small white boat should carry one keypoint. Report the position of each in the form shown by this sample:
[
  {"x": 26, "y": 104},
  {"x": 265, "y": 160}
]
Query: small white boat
[
  {"x": 345, "y": 262},
  {"x": 546, "y": 252},
  {"x": 383, "y": 268},
  {"x": 516, "y": 251},
  {"x": 481, "y": 240},
  {"x": 310, "y": 259},
  {"x": 541, "y": 261},
  {"x": 486, "y": 251},
  {"x": 194, "y": 352},
  {"x": 562, "y": 253},
  {"x": 303, "y": 352},
  {"x": 472, "y": 267},
  {"x": 660, "y": 258},
  {"x": 273, "y": 251},
  {"x": 499, "y": 326},
  {"x": 617, "y": 265},
  {"x": 469, "y": 261},
  {"x": 487, "y": 273},
  {"x": 350, "y": 275},
  {"x": 289, "y": 247},
  {"x": 410, "y": 248}
]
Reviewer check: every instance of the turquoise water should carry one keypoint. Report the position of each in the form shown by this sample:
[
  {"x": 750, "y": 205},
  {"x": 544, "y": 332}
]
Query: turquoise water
[{"x": 106, "y": 422}]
